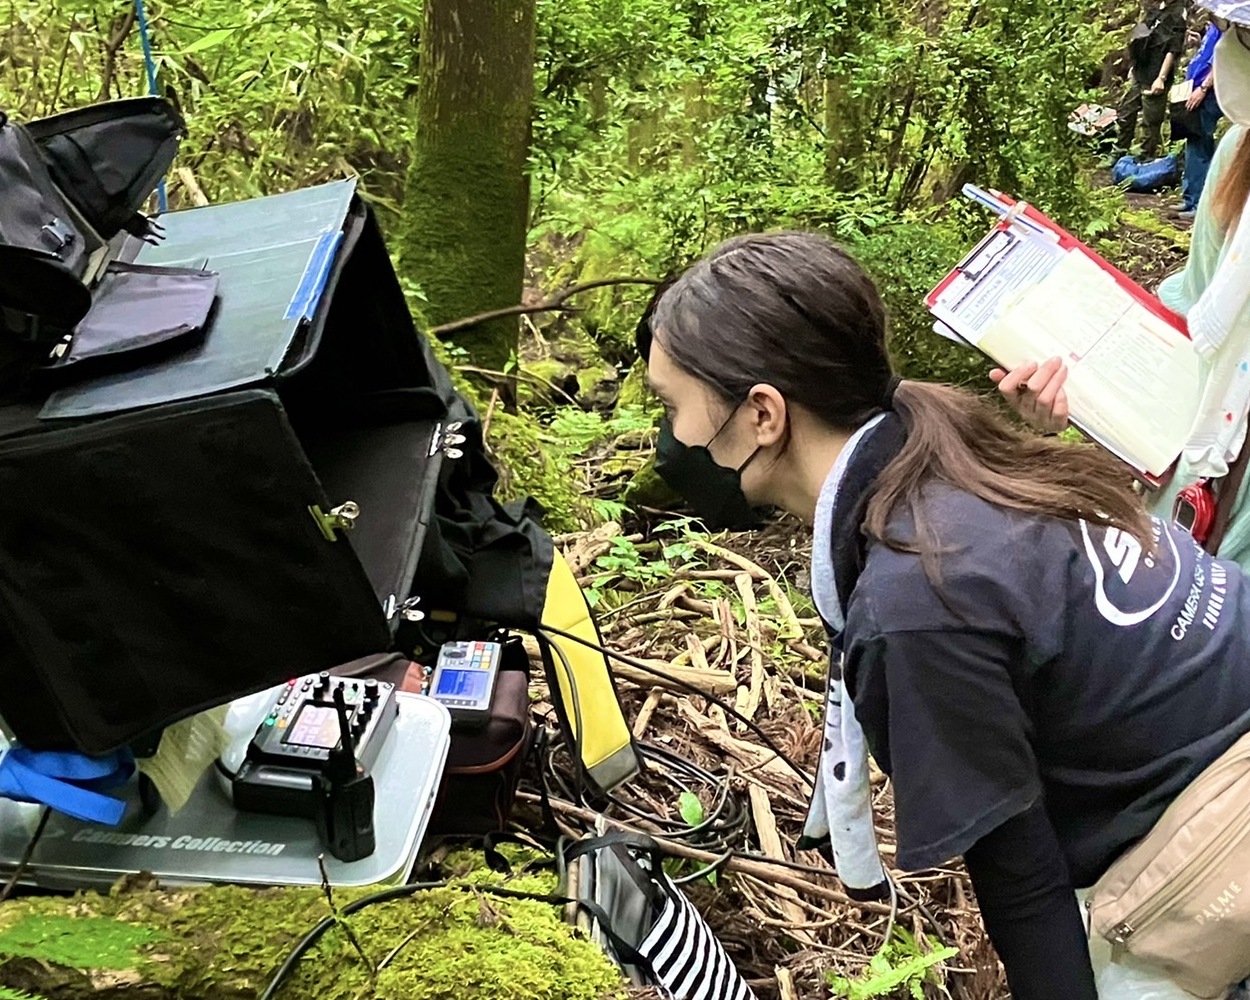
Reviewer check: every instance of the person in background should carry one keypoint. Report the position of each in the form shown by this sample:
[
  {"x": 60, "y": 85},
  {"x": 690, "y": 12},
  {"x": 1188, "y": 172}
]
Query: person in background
[
  {"x": 1213, "y": 292},
  {"x": 1200, "y": 149},
  {"x": 1154, "y": 49}
]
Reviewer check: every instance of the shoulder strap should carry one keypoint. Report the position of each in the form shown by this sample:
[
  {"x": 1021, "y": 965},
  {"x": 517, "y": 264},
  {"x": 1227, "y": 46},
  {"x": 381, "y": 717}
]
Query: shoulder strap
[{"x": 67, "y": 782}]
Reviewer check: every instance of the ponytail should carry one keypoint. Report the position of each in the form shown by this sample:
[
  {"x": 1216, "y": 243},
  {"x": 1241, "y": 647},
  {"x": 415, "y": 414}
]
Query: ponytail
[{"x": 1232, "y": 191}]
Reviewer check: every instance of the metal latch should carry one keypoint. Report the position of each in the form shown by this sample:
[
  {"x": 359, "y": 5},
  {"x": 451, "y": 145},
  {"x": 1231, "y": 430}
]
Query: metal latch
[
  {"x": 449, "y": 441},
  {"x": 341, "y": 518},
  {"x": 407, "y": 610}
]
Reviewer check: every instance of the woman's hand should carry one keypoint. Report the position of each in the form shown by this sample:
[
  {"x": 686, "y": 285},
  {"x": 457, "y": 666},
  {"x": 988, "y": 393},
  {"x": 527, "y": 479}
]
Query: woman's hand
[
  {"x": 1036, "y": 393},
  {"x": 1196, "y": 98}
]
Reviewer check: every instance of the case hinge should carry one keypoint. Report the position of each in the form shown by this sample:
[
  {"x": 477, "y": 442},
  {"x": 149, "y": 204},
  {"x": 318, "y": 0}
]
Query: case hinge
[{"x": 341, "y": 518}]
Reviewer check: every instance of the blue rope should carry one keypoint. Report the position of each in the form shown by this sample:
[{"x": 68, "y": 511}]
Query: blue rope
[{"x": 150, "y": 64}]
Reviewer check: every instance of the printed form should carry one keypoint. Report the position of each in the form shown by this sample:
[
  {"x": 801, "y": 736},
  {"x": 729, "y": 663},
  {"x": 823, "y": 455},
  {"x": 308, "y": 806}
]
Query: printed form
[{"x": 1134, "y": 381}]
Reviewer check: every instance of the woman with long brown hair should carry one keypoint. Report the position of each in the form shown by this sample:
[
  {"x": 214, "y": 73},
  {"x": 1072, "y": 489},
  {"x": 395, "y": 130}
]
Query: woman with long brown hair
[
  {"x": 1039, "y": 666},
  {"x": 1213, "y": 291}
]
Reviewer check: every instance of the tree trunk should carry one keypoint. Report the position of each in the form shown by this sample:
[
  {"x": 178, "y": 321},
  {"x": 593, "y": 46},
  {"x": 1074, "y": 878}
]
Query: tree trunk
[{"x": 467, "y": 192}]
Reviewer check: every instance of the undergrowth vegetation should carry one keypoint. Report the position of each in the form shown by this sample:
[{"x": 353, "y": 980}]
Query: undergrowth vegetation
[{"x": 659, "y": 129}]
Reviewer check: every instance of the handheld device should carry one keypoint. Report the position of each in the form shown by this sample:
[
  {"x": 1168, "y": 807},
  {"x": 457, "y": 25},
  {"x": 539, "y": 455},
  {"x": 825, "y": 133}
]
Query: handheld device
[
  {"x": 464, "y": 679},
  {"x": 312, "y": 756}
]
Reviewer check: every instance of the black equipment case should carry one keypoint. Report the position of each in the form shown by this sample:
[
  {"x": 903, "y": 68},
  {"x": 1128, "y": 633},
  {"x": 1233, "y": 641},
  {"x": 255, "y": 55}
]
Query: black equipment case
[{"x": 180, "y": 533}]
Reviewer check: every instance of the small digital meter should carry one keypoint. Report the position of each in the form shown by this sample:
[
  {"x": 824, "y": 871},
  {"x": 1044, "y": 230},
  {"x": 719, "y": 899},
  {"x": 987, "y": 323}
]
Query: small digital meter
[{"x": 464, "y": 679}]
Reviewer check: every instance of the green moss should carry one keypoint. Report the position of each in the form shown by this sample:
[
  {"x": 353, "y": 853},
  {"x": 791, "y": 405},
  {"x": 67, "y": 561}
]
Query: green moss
[
  {"x": 91, "y": 943},
  {"x": 529, "y": 467},
  {"x": 226, "y": 942},
  {"x": 1151, "y": 222},
  {"x": 647, "y": 489},
  {"x": 634, "y": 393}
]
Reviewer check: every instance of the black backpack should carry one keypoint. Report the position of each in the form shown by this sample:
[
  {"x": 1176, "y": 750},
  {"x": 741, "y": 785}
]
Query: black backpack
[{"x": 68, "y": 185}]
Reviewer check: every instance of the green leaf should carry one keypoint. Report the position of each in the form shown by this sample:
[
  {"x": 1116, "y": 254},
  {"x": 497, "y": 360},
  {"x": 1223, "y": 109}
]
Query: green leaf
[
  {"x": 691, "y": 808},
  {"x": 209, "y": 41}
]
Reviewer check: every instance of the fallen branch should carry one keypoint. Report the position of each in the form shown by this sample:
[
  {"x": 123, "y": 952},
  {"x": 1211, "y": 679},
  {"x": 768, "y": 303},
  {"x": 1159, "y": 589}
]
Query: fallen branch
[
  {"x": 756, "y": 689},
  {"x": 790, "y": 621},
  {"x": 755, "y": 758},
  {"x": 555, "y": 304},
  {"x": 770, "y": 846},
  {"x": 587, "y": 548},
  {"x": 673, "y": 678},
  {"x": 198, "y": 198},
  {"x": 648, "y": 709}
]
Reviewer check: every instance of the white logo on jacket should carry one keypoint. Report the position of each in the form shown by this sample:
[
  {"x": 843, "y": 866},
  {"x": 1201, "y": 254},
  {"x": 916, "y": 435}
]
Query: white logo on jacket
[{"x": 1119, "y": 561}]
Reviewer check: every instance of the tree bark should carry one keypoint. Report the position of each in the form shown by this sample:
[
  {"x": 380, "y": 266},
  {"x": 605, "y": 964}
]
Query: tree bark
[{"x": 467, "y": 192}]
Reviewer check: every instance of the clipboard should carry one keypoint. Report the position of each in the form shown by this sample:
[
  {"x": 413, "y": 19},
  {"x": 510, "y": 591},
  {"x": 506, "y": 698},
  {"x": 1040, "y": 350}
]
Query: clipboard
[{"x": 1030, "y": 290}]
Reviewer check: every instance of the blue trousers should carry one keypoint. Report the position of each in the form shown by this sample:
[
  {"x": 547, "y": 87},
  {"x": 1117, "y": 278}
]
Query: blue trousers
[{"x": 1199, "y": 151}]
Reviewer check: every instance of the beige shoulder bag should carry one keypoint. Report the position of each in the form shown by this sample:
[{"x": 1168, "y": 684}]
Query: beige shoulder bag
[{"x": 1180, "y": 898}]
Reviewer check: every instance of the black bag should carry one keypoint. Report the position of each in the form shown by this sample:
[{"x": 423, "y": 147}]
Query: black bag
[
  {"x": 1184, "y": 123},
  {"x": 175, "y": 534},
  {"x": 645, "y": 922},
  {"x": 485, "y": 762},
  {"x": 68, "y": 185},
  {"x": 160, "y": 561},
  {"x": 108, "y": 158}
]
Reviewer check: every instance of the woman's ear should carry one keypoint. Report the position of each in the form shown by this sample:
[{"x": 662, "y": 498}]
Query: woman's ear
[{"x": 766, "y": 408}]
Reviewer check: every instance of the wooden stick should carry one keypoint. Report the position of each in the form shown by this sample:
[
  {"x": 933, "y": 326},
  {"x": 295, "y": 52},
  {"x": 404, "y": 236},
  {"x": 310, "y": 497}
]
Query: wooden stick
[
  {"x": 490, "y": 412},
  {"x": 703, "y": 607},
  {"x": 698, "y": 657},
  {"x": 770, "y": 846},
  {"x": 673, "y": 593},
  {"x": 756, "y": 758},
  {"x": 590, "y": 547},
  {"x": 716, "y": 682},
  {"x": 554, "y": 304},
  {"x": 784, "y": 607},
  {"x": 648, "y": 709},
  {"x": 785, "y": 983},
  {"x": 198, "y": 197},
  {"x": 752, "y": 702}
]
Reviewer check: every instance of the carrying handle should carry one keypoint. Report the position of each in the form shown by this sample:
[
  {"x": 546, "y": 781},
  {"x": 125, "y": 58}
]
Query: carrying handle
[{"x": 619, "y": 843}]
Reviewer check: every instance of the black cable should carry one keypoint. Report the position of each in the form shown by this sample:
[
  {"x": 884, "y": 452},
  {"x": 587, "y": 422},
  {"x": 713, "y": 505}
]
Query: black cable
[
  {"x": 693, "y": 689},
  {"x": 724, "y": 820},
  {"x": 669, "y": 827},
  {"x": 27, "y": 854}
]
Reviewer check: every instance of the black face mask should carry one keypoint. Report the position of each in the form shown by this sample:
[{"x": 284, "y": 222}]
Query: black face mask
[{"x": 714, "y": 491}]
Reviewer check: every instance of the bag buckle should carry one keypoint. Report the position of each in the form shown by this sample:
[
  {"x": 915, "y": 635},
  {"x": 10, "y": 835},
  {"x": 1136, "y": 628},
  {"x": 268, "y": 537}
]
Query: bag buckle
[{"x": 60, "y": 233}]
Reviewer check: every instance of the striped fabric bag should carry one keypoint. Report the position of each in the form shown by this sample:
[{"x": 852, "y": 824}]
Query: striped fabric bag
[{"x": 633, "y": 910}]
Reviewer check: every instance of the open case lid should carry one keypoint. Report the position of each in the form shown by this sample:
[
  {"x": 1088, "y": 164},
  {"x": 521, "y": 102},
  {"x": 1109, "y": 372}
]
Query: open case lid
[{"x": 273, "y": 255}]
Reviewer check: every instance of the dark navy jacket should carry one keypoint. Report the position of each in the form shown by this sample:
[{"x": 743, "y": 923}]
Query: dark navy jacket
[{"x": 1037, "y": 660}]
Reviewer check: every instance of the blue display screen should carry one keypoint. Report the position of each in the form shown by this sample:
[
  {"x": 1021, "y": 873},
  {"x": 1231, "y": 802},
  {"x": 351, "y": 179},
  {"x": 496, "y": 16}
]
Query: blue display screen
[{"x": 455, "y": 683}]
